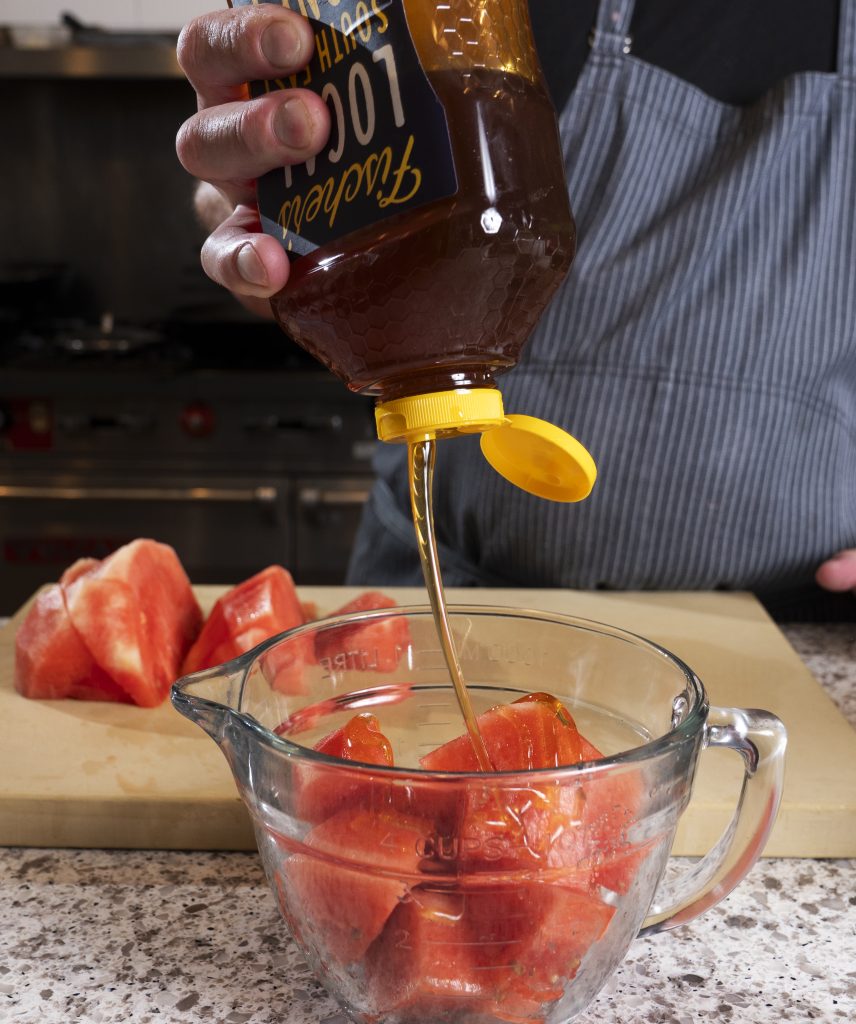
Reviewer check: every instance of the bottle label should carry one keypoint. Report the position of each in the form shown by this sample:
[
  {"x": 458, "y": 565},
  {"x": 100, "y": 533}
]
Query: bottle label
[{"x": 389, "y": 148}]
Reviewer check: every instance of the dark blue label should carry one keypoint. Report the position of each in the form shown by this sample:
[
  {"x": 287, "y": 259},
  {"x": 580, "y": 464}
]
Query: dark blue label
[{"x": 389, "y": 148}]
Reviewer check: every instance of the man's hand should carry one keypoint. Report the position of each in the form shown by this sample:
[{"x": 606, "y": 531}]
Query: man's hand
[
  {"x": 233, "y": 140},
  {"x": 839, "y": 572}
]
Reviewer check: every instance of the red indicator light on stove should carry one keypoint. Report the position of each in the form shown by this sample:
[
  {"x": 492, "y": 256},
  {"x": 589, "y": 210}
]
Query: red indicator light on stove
[
  {"x": 197, "y": 419},
  {"x": 27, "y": 425}
]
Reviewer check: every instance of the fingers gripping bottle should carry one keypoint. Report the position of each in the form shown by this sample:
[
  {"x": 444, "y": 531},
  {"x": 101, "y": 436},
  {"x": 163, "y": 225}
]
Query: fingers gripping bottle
[{"x": 428, "y": 236}]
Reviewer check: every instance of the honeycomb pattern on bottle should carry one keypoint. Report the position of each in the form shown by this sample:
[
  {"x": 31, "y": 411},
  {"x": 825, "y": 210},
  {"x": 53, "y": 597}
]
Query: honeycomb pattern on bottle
[
  {"x": 449, "y": 292},
  {"x": 464, "y": 34}
]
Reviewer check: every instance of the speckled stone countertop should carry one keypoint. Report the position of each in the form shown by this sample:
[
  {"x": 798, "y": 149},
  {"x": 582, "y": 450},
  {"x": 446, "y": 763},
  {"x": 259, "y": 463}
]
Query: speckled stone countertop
[{"x": 115, "y": 937}]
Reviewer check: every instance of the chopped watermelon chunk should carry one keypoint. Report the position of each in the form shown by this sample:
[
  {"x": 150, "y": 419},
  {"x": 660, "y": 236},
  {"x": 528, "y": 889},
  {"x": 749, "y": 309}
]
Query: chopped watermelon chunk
[
  {"x": 379, "y": 642},
  {"x": 322, "y": 790},
  {"x": 611, "y": 806},
  {"x": 360, "y": 739},
  {"x": 423, "y": 966},
  {"x": 497, "y": 822},
  {"x": 535, "y": 732},
  {"x": 52, "y": 662},
  {"x": 555, "y": 928},
  {"x": 82, "y": 567},
  {"x": 284, "y": 665},
  {"x": 487, "y": 907},
  {"x": 580, "y": 832},
  {"x": 500, "y": 951},
  {"x": 261, "y": 607},
  {"x": 136, "y": 614},
  {"x": 349, "y": 877}
]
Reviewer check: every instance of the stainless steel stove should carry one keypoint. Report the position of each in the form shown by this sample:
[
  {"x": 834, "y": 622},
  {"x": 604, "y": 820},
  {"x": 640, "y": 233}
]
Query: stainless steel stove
[{"x": 226, "y": 441}]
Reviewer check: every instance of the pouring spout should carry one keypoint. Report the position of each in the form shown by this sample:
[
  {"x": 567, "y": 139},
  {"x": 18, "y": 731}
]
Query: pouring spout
[{"x": 207, "y": 697}]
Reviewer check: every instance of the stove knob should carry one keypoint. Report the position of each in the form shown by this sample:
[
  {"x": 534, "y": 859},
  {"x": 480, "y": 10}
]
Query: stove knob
[
  {"x": 197, "y": 420},
  {"x": 39, "y": 418}
]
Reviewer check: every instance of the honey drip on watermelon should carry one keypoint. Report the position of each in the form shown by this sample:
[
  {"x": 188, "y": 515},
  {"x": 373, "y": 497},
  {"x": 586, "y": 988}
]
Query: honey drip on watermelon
[{"x": 420, "y": 456}]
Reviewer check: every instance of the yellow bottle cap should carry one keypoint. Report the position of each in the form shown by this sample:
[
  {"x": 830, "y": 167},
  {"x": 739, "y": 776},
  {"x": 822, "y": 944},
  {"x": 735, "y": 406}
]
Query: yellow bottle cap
[
  {"x": 540, "y": 458},
  {"x": 439, "y": 414},
  {"x": 534, "y": 455}
]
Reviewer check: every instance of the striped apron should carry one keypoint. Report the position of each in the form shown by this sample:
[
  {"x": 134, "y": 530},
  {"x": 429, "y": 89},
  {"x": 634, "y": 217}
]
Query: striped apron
[{"x": 703, "y": 347}]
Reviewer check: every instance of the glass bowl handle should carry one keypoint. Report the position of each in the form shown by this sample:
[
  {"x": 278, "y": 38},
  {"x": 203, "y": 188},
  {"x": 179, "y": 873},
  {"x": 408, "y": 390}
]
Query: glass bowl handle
[{"x": 760, "y": 739}]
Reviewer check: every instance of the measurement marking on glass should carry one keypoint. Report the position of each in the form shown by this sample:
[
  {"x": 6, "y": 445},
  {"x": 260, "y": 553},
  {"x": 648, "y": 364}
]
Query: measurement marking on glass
[{"x": 475, "y": 942}]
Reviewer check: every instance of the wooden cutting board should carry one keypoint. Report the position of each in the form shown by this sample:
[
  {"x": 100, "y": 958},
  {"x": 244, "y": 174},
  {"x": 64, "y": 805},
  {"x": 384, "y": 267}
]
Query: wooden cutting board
[{"x": 100, "y": 775}]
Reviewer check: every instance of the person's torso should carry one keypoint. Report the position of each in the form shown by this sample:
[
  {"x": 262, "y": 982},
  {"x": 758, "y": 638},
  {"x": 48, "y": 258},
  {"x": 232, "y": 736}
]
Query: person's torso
[{"x": 703, "y": 345}]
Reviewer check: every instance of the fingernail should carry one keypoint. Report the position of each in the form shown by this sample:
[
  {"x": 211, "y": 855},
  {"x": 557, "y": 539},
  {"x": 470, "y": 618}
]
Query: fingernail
[
  {"x": 293, "y": 125},
  {"x": 281, "y": 45},
  {"x": 250, "y": 267}
]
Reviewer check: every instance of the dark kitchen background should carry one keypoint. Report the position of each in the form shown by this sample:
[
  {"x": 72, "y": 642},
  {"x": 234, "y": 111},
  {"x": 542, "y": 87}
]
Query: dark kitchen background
[{"x": 136, "y": 398}]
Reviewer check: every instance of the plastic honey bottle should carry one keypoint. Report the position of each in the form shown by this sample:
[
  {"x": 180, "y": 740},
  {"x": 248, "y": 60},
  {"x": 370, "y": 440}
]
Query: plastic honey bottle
[{"x": 429, "y": 235}]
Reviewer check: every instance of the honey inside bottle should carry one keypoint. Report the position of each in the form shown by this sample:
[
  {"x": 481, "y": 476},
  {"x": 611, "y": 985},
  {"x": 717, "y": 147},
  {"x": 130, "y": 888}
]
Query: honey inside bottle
[{"x": 445, "y": 294}]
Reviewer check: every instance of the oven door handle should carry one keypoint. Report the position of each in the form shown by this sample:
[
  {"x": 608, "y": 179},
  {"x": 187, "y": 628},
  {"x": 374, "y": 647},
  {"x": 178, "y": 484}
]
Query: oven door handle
[
  {"x": 266, "y": 496},
  {"x": 319, "y": 497}
]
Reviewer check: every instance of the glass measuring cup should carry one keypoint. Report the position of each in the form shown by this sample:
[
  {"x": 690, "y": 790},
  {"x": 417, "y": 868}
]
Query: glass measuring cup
[{"x": 419, "y": 895}]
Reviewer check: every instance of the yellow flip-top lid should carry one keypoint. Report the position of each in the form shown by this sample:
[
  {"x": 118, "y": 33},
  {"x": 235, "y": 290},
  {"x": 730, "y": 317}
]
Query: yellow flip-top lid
[
  {"x": 536, "y": 456},
  {"x": 540, "y": 458}
]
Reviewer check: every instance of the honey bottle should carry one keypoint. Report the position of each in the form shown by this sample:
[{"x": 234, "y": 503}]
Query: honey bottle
[{"x": 428, "y": 236}]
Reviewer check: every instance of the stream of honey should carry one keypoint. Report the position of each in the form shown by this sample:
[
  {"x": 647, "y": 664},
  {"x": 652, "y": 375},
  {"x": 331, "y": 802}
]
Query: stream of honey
[{"x": 421, "y": 456}]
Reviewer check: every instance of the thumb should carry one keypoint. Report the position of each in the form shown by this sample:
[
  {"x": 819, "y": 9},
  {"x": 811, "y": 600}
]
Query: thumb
[{"x": 839, "y": 572}]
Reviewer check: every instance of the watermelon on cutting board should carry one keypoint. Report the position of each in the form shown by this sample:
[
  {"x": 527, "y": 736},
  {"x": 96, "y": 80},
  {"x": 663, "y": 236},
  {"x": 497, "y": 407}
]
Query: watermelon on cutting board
[
  {"x": 52, "y": 662},
  {"x": 381, "y": 640},
  {"x": 137, "y": 615},
  {"x": 255, "y": 610},
  {"x": 125, "y": 628},
  {"x": 111, "y": 630}
]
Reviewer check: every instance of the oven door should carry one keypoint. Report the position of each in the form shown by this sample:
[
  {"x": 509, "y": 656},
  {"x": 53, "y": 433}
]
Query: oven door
[{"x": 223, "y": 529}]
